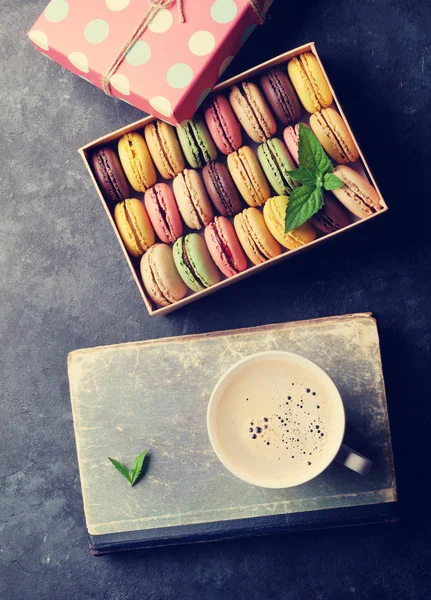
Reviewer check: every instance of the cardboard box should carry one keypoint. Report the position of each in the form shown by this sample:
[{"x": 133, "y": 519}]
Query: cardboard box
[
  {"x": 139, "y": 125},
  {"x": 171, "y": 67}
]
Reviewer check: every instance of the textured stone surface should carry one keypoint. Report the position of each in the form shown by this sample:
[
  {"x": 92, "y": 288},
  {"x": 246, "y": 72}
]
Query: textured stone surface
[{"x": 64, "y": 285}]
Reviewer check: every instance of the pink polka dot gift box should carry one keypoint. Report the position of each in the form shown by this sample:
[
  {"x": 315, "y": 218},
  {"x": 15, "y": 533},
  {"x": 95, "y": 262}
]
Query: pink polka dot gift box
[{"x": 161, "y": 56}]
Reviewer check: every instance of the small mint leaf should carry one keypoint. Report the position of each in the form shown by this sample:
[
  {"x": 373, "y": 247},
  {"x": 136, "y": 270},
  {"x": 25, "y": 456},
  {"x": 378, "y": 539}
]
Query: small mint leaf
[
  {"x": 332, "y": 182},
  {"x": 136, "y": 470},
  {"x": 311, "y": 153},
  {"x": 303, "y": 203},
  {"x": 121, "y": 468},
  {"x": 304, "y": 176}
]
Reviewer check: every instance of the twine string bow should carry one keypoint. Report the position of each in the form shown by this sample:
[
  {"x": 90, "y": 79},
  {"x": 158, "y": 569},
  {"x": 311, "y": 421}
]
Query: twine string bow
[{"x": 154, "y": 6}]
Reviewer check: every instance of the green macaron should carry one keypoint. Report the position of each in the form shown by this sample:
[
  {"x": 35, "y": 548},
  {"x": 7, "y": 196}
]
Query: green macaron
[
  {"x": 276, "y": 162},
  {"x": 196, "y": 143},
  {"x": 194, "y": 263}
]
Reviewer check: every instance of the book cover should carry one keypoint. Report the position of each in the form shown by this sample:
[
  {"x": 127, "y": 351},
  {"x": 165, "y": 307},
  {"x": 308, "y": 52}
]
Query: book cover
[{"x": 154, "y": 394}]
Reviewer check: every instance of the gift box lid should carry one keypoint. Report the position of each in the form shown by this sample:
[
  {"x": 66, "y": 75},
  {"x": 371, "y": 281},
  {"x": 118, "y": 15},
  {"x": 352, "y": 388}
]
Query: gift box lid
[{"x": 169, "y": 67}]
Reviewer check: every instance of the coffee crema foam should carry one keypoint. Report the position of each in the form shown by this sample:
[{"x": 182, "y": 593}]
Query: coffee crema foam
[{"x": 277, "y": 424}]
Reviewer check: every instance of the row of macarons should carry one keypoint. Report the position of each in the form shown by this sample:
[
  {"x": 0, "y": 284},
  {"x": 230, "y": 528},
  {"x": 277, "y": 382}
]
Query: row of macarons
[{"x": 195, "y": 262}]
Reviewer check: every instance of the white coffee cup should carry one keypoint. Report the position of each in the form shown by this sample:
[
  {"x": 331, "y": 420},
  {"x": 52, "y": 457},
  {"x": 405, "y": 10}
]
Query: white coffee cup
[{"x": 276, "y": 420}]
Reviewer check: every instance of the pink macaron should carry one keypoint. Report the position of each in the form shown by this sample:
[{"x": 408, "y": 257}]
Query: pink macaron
[
  {"x": 223, "y": 125},
  {"x": 163, "y": 212},
  {"x": 224, "y": 247},
  {"x": 291, "y": 139}
]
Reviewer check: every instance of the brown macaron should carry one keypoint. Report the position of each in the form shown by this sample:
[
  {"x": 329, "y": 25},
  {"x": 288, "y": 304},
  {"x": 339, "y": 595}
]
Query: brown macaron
[{"x": 109, "y": 175}]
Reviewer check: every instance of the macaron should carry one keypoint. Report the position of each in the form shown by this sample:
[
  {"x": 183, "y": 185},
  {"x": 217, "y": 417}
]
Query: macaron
[
  {"x": 221, "y": 189},
  {"x": 291, "y": 139},
  {"x": 331, "y": 217},
  {"x": 357, "y": 194},
  {"x": 331, "y": 131},
  {"x": 194, "y": 263},
  {"x": 134, "y": 226},
  {"x": 160, "y": 276},
  {"x": 224, "y": 247},
  {"x": 163, "y": 212},
  {"x": 164, "y": 147},
  {"x": 255, "y": 237},
  {"x": 248, "y": 176},
  {"x": 274, "y": 213},
  {"x": 276, "y": 163},
  {"x": 222, "y": 124},
  {"x": 281, "y": 96},
  {"x": 192, "y": 199},
  {"x": 196, "y": 143},
  {"x": 109, "y": 175},
  {"x": 136, "y": 161},
  {"x": 309, "y": 82},
  {"x": 252, "y": 111}
]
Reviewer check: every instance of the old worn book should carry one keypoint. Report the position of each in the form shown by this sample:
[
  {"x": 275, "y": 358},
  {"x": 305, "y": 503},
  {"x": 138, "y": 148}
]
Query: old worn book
[{"x": 154, "y": 394}]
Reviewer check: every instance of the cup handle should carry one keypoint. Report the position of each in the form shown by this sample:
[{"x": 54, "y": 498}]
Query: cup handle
[{"x": 353, "y": 460}]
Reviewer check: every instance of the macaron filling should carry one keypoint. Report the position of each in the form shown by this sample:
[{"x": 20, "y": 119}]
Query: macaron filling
[
  {"x": 162, "y": 213},
  {"x": 333, "y": 136},
  {"x": 106, "y": 169},
  {"x": 250, "y": 181},
  {"x": 163, "y": 152},
  {"x": 306, "y": 72},
  {"x": 220, "y": 189},
  {"x": 326, "y": 221},
  {"x": 254, "y": 109},
  {"x": 358, "y": 196},
  {"x": 258, "y": 249},
  {"x": 135, "y": 164},
  {"x": 193, "y": 200},
  {"x": 224, "y": 247},
  {"x": 280, "y": 172},
  {"x": 282, "y": 96},
  {"x": 189, "y": 265},
  {"x": 158, "y": 282},
  {"x": 134, "y": 229},
  {"x": 197, "y": 144},
  {"x": 221, "y": 126}
]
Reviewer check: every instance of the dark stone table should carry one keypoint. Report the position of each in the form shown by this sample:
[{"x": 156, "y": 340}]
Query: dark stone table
[{"x": 64, "y": 285}]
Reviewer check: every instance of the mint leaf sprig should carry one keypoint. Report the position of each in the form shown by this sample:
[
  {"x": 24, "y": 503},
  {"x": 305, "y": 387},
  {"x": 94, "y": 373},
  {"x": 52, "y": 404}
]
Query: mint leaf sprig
[
  {"x": 135, "y": 473},
  {"x": 315, "y": 175}
]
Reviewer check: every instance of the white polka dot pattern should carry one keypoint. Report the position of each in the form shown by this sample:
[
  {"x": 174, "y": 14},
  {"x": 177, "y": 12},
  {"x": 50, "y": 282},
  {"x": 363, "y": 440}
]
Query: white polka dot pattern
[
  {"x": 79, "y": 60},
  {"x": 117, "y": 5},
  {"x": 179, "y": 75},
  {"x": 121, "y": 83},
  {"x": 161, "y": 105},
  {"x": 158, "y": 73},
  {"x": 139, "y": 54},
  {"x": 96, "y": 31},
  {"x": 162, "y": 21},
  {"x": 56, "y": 11},
  {"x": 39, "y": 38},
  {"x": 224, "y": 11},
  {"x": 201, "y": 43}
]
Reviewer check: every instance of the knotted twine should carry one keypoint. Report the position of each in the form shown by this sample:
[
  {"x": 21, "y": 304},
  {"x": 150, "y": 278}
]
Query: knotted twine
[{"x": 153, "y": 8}]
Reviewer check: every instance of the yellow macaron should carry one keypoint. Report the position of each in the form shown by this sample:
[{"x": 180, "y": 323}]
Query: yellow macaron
[
  {"x": 248, "y": 176},
  {"x": 134, "y": 226},
  {"x": 255, "y": 237},
  {"x": 137, "y": 162},
  {"x": 331, "y": 131},
  {"x": 274, "y": 213},
  {"x": 309, "y": 82}
]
